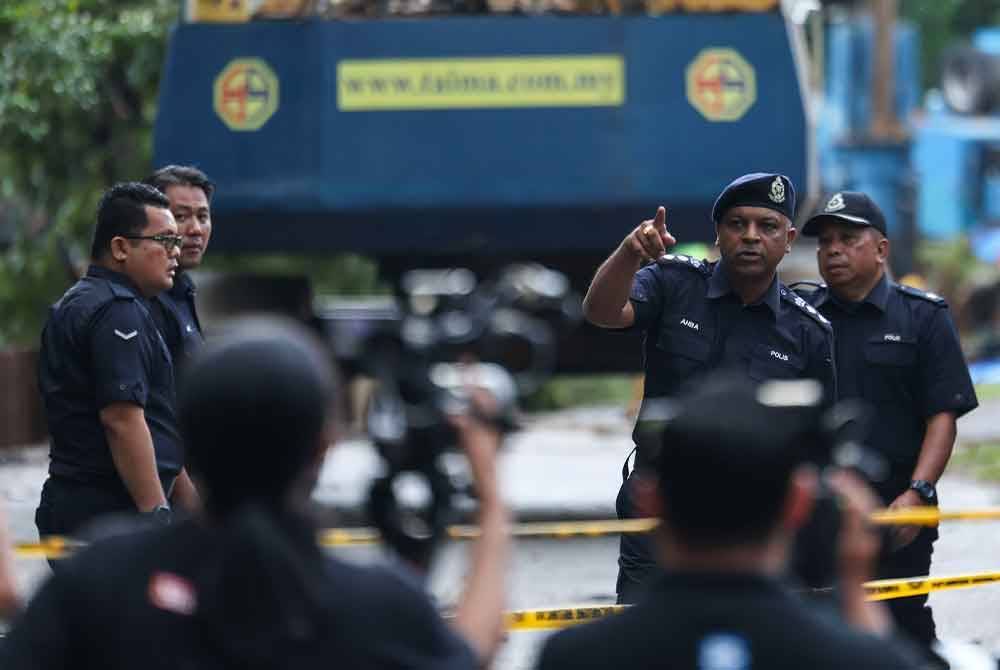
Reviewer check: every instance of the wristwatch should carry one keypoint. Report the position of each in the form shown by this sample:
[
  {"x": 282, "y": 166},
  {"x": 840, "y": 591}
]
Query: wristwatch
[{"x": 925, "y": 490}]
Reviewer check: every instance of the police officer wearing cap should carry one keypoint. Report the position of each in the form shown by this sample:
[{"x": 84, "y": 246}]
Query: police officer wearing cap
[
  {"x": 897, "y": 349},
  {"x": 698, "y": 316},
  {"x": 106, "y": 376},
  {"x": 731, "y": 494},
  {"x": 190, "y": 192}
]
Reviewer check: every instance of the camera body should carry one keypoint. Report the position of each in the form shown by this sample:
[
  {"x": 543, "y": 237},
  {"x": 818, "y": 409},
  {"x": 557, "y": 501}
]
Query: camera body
[{"x": 454, "y": 336}]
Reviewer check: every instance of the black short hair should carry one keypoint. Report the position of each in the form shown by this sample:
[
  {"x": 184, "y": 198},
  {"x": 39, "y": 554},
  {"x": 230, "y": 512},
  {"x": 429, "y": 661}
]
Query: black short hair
[
  {"x": 122, "y": 211},
  {"x": 727, "y": 459},
  {"x": 252, "y": 406},
  {"x": 181, "y": 175}
]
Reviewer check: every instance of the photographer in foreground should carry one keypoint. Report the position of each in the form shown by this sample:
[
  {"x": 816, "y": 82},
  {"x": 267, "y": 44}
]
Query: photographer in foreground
[
  {"x": 245, "y": 584},
  {"x": 731, "y": 494}
]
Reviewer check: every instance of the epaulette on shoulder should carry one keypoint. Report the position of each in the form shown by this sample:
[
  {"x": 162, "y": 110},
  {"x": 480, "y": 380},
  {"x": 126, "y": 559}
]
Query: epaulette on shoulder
[
  {"x": 791, "y": 296},
  {"x": 120, "y": 292},
  {"x": 806, "y": 288},
  {"x": 685, "y": 261},
  {"x": 922, "y": 295}
]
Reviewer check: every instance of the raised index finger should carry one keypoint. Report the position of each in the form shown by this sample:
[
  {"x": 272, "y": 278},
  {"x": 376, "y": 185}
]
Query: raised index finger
[{"x": 660, "y": 220}]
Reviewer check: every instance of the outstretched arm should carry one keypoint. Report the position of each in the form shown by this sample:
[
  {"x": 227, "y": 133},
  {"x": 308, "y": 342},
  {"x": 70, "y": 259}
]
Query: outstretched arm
[
  {"x": 479, "y": 615},
  {"x": 606, "y": 303}
]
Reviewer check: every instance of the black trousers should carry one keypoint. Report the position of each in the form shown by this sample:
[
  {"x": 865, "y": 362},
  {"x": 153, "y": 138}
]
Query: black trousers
[
  {"x": 637, "y": 565},
  {"x": 68, "y": 506},
  {"x": 913, "y": 616}
]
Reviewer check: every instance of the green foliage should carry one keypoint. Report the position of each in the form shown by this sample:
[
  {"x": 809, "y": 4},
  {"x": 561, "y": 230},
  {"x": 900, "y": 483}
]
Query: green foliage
[
  {"x": 951, "y": 268},
  {"x": 979, "y": 460},
  {"x": 987, "y": 392},
  {"x": 942, "y": 23},
  {"x": 78, "y": 84},
  {"x": 565, "y": 391}
]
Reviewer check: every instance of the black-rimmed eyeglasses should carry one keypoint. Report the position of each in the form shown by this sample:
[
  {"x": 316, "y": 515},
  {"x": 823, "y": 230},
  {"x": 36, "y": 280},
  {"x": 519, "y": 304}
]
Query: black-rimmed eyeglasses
[{"x": 168, "y": 241}]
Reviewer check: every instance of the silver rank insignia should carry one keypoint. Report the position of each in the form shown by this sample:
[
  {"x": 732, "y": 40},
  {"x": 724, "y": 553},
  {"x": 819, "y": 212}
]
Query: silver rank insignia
[
  {"x": 836, "y": 203},
  {"x": 777, "y": 193}
]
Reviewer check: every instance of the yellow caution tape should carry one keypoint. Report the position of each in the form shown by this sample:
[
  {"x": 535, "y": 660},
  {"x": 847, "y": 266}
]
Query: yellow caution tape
[
  {"x": 889, "y": 589},
  {"x": 56, "y": 547},
  {"x": 931, "y": 516},
  {"x": 50, "y": 547},
  {"x": 562, "y": 617},
  {"x": 563, "y": 529},
  {"x": 884, "y": 589}
]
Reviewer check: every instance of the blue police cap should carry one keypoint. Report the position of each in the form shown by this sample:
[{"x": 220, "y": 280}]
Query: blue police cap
[
  {"x": 847, "y": 207},
  {"x": 757, "y": 189}
]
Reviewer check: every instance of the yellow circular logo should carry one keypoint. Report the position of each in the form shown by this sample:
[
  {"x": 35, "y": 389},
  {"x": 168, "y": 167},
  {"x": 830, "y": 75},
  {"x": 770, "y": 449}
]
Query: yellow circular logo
[
  {"x": 721, "y": 84},
  {"x": 246, "y": 94}
]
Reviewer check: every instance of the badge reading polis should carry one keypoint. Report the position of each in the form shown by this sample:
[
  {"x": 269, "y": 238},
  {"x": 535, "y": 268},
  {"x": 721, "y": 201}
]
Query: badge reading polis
[{"x": 777, "y": 193}]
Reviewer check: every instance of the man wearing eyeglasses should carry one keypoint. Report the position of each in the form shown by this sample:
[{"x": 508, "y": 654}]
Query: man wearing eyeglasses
[
  {"x": 189, "y": 191},
  {"x": 106, "y": 375}
]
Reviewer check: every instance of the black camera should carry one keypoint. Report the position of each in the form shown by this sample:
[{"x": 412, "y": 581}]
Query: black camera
[{"x": 453, "y": 334}]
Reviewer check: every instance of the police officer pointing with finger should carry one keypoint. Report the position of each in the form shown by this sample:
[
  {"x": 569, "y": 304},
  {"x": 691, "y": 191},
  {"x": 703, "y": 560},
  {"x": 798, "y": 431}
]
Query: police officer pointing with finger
[
  {"x": 699, "y": 316},
  {"x": 106, "y": 376},
  {"x": 897, "y": 349}
]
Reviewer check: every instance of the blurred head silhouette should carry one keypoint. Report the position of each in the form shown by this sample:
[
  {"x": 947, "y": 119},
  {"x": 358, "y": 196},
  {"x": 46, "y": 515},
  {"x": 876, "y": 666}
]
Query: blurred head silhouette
[{"x": 256, "y": 413}]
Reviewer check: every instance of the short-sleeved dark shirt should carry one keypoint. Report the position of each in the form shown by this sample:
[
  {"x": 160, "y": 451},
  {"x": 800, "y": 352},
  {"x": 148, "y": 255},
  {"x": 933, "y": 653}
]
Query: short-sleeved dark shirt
[
  {"x": 715, "y": 622},
  {"x": 898, "y": 349},
  {"x": 158, "y": 600},
  {"x": 100, "y": 347},
  {"x": 695, "y": 323},
  {"x": 177, "y": 318}
]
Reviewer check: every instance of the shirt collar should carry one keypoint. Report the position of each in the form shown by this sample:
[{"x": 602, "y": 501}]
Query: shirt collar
[
  {"x": 101, "y": 272},
  {"x": 878, "y": 297},
  {"x": 718, "y": 286},
  {"x": 183, "y": 286}
]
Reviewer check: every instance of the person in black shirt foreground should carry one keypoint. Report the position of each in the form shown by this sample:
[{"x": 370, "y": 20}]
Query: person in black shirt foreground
[
  {"x": 731, "y": 494},
  {"x": 244, "y": 585}
]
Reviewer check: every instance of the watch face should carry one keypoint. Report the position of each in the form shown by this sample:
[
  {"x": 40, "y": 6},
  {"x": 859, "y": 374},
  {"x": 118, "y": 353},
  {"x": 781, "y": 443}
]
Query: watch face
[{"x": 924, "y": 489}]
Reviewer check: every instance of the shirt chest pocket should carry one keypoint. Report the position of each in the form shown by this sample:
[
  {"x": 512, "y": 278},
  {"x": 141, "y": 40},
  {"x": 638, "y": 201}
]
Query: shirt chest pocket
[
  {"x": 771, "y": 362},
  {"x": 889, "y": 367},
  {"x": 682, "y": 352}
]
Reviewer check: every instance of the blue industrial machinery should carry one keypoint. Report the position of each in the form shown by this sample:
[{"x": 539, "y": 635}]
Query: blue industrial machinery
[
  {"x": 851, "y": 155},
  {"x": 956, "y": 151},
  {"x": 444, "y": 139},
  {"x": 480, "y": 141}
]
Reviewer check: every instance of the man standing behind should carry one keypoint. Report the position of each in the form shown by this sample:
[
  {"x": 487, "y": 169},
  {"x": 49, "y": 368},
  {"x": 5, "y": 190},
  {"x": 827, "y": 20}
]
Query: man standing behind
[
  {"x": 106, "y": 377},
  {"x": 189, "y": 191},
  {"x": 896, "y": 348},
  {"x": 699, "y": 316}
]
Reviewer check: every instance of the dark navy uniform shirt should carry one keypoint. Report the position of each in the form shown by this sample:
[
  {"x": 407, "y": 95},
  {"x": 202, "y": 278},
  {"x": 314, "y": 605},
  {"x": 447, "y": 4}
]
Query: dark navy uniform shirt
[
  {"x": 694, "y": 323},
  {"x": 722, "y": 621},
  {"x": 898, "y": 350},
  {"x": 99, "y": 347},
  {"x": 176, "y": 317}
]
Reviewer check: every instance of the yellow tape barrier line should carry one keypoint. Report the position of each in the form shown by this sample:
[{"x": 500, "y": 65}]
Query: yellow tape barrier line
[
  {"x": 889, "y": 589},
  {"x": 563, "y": 617},
  {"x": 56, "y": 547},
  {"x": 884, "y": 589}
]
